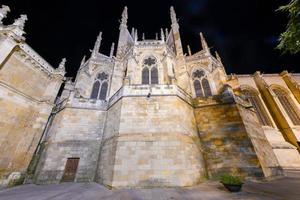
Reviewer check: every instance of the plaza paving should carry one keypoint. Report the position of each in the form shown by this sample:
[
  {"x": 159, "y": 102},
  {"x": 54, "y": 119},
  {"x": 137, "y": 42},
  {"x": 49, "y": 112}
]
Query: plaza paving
[{"x": 287, "y": 188}]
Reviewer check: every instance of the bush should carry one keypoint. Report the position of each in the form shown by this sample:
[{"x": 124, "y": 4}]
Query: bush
[{"x": 229, "y": 179}]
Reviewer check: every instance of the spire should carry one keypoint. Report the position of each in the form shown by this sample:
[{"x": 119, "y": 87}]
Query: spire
[
  {"x": 143, "y": 36},
  {"x": 136, "y": 35},
  {"x": 189, "y": 50},
  {"x": 97, "y": 45},
  {"x": 112, "y": 48},
  {"x": 124, "y": 17},
  {"x": 173, "y": 15},
  {"x": 20, "y": 22},
  {"x": 162, "y": 36},
  {"x": 82, "y": 61},
  {"x": 3, "y": 12},
  {"x": 203, "y": 43},
  {"x": 62, "y": 64},
  {"x": 167, "y": 33},
  {"x": 132, "y": 32}
]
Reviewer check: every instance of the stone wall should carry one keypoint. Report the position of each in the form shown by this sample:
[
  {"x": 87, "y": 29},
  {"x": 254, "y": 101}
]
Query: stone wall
[
  {"x": 27, "y": 94},
  {"x": 226, "y": 145},
  {"x": 75, "y": 132},
  {"x": 108, "y": 146},
  {"x": 262, "y": 147},
  {"x": 155, "y": 144}
]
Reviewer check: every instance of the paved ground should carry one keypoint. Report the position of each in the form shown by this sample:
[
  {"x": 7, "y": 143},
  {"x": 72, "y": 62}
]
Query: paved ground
[{"x": 280, "y": 189}]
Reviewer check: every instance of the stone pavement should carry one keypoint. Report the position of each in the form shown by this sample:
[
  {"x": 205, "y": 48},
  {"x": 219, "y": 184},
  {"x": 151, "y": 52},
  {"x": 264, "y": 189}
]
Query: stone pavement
[{"x": 280, "y": 189}]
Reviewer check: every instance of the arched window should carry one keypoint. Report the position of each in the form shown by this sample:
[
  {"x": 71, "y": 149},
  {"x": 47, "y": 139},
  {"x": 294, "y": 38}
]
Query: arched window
[
  {"x": 103, "y": 90},
  {"x": 99, "y": 90},
  {"x": 201, "y": 84},
  {"x": 253, "y": 98},
  {"x": 145, "y": 76},
  {"x": 206, "y": 87},
  {"x": 288, "y": 105},
  {"x": 198, "y": 88},
  {"x": 150, "y": 71},
  {"x": 95, "y": 90},
  {"x": 154, "y": 75}
]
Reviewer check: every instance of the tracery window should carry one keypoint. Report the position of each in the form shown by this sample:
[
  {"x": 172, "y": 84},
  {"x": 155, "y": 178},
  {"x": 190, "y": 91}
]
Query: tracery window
[
  {"x": 253, "y": 98},
  {"x": 150, "y": 71},
  {"x": 100, "y": 87},
  {"x": 288, "y": 105},
  {"x": 201, "y": 84}
]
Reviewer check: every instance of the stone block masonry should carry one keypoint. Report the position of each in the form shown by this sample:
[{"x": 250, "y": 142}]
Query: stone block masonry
[
  {"x": 154, "y": 144},
  {"x": 75, "y": 133}
]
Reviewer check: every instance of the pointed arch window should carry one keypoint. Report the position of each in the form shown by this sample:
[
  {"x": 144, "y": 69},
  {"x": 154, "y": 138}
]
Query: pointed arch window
[
  {"x": 103, "y": 91},
  {"x": 100, "y": 86},
  {"x": 206, "y": 87},
  {"x": 261, "y": 113},
  {"x": 201, "y": 84},
  {"x": 288, "y": 105},
  {"x": 198, "y": 88},
  {"x": 150, "y": 71},
  {"x": 154, "y": 75},
  {"x": 95, "y": 90},
  {"x": 145, "y": 76}
]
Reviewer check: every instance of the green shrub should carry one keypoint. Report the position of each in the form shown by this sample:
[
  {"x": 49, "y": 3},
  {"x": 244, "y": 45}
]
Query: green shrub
[{"x": 229, "y": 179}]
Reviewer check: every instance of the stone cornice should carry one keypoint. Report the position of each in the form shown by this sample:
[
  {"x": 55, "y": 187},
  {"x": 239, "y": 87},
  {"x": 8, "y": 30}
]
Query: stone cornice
[{"x": 39, "y": 62}]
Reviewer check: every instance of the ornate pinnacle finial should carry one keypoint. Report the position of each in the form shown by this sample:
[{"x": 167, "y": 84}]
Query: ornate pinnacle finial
[
  {"x": 189, "y": 50},
  {"x": 173, "y": 15},
  {"x": 132, "y": 32},
  {"x": 82, "y": 61},
  {"x": 62, "y": 64},
  {"x": 20, "y": 22},
  {"x": 167, "y": 33},
  {"x": 162, "y": 35},
  {"x": 124, "y": 16},
  {"x": 97, "y": 45},
  {"x": 143, "y": 36},
  {"x": 112, "y": 48},
  {"x": 3, "y": 12},
  {"x": 203, "y": 43},
  {"x": 135, "y": 35}
]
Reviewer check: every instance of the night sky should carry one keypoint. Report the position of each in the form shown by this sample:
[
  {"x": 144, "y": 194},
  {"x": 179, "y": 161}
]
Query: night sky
[{"x": 244, "y": 32}]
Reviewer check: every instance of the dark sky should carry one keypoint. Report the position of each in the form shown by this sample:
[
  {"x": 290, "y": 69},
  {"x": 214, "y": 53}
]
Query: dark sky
[{"x": 244, "y": 32}]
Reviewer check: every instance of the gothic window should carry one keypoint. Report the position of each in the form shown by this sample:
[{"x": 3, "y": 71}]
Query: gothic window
[
  {"x": 198, "y": 88},
  {"x": 99, "y": 90},
  {"x": 201, "y": 84},
  {"x": 145, "y": 76},
  {"x": 150, "y": 71},
  {"x": 261, "y": 112},
  {"x": 149, "y": 61},
  {"x": 103, "y": 91},
  {"x": 206, "y": 87},
  {"x": 288, "y": 105},
  {"x": 95, "y": 90},
  {"x": 154, "y": 75}
]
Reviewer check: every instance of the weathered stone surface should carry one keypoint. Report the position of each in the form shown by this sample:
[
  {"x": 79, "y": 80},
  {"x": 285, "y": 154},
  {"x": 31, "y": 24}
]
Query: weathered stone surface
[{"x": 149, "y": 117}]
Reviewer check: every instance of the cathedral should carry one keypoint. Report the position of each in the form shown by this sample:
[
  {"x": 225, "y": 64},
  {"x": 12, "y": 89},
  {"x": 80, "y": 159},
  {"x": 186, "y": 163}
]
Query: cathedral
[{"x": 147, "y": 115}]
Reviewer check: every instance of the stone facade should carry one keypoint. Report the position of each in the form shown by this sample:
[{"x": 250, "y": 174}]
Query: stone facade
[
  {"x": 150, "y": 116},
  {"x": 28, "y": 89}
]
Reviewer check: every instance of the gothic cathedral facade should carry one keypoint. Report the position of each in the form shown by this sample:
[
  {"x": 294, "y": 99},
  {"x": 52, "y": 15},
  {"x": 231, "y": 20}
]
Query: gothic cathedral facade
[{"x": 147, "y": 115}]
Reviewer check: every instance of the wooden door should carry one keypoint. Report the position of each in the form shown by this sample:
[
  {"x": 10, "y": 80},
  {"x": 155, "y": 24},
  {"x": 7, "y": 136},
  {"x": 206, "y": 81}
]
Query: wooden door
[{"x": 70, "y": 170}]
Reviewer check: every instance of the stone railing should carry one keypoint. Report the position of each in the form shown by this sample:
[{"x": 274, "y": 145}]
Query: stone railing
[{"x": 148, "y": 91}]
